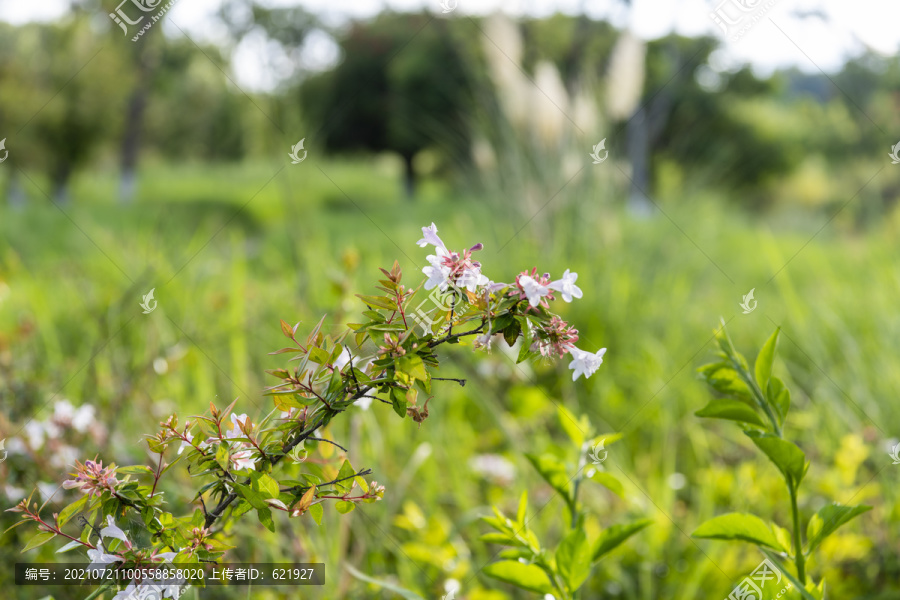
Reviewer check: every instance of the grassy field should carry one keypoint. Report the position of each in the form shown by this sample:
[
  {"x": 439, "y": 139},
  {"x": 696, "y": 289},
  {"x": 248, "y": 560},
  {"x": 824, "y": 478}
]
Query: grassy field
[{"x": 230, "y": 250}]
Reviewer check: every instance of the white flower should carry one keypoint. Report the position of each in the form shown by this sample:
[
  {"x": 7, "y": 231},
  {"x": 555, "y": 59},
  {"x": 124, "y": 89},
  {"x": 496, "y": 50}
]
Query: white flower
[
  {"x": 471, "y": 279},
  {"x": 63, "y": 410},
  {"x": 585, "y": 363},
  {"x": 533, "y": 290},
  {"x": 14, "y": 493},
  {"x": 430, "y": 236},
  {"x": 112, "y": 531},
  {"x": 566, "y": 286},
  {"x": 363, "y": 403},
  {"x": 438, "y": 276},
  {"x": 244, "y": 459},
  {"x": 34, "y": 431},
  {"x": 484, "y": 340},
  {"x": 438, "y": 273},
  {"x": 99, "y": 559},
  {"x": 186, "y": 444},
  {"x": 237, "y": 421},
  {"x": 83, "y": 417},
  {"x": 493, "y": 466}
]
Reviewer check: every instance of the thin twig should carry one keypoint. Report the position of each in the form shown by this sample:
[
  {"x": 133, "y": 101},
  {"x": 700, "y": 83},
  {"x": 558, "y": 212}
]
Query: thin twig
[{"x": 315, "y": 439}]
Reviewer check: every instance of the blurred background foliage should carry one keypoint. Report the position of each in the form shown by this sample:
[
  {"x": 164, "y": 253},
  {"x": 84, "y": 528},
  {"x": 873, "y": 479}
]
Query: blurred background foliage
[{"x": 143, "y": 165}]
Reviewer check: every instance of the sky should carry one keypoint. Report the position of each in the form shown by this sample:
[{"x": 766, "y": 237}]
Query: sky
[{"x": 768, "y": 34}]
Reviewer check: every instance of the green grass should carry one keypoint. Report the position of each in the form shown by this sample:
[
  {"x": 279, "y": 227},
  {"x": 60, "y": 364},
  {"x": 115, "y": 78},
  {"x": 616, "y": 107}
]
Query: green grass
[{"x": 229, "y": 256}]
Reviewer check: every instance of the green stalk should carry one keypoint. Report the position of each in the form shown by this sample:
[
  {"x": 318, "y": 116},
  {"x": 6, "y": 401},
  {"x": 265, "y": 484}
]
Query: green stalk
[
  {"x": 799, "y": 559},
  {"x": 751, "y": 384}
]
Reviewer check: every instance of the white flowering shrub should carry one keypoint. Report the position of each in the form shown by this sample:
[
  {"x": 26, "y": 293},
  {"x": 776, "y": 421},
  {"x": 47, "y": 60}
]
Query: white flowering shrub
[{"x": 388, "y": 357}]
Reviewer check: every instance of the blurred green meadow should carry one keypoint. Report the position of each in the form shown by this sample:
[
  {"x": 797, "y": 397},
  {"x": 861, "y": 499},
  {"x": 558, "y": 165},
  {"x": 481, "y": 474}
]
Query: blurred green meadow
[
  {"x": 716, "y": 184},
  {"x": 227, "y": 265}
]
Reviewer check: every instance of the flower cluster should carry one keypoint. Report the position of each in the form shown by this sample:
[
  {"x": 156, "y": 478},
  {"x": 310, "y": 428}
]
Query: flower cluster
[
  {"x": 92, "y": 478},
  {"x": 450, "y": 268},
  {"x": 548, "y": 334}
]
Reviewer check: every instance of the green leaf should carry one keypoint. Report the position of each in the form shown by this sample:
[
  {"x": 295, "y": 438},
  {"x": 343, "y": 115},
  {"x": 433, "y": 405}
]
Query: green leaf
[
  {"x": 573, "y": 559},
  {"x": 412, "y": 365},
  {"x": 347, "y": 470},
  {"x": 398, "y": 401},
  {"x": 787, "y": 456},
  {"x": 255, "y": 499},
  {"x": 576, "y": 429},
  {"x": 265, "y": 484},
  {"x": 222, "y": 456},
  {"x": 554, "y": 472},
  {"x": 723, "y": 378},
  {"x": 265, "y": 517},
  {"x": 764, "y": 360},
  {"x": 135, "y": 470},
  {"x": 523, "y": 507},
  {"x": 316, "y": 512},
  {"x": 317, "y": 355},
  {"x": 39, "y": 538},
  {"x": 70, "y": 511},
  {"x": 527, "y": 577},
  {"x": 378, "y": 301},
  {"x": 609, "y": 481},
  {"x": 501, "y": 538},
  {"x": 732, "y": 410},
  {"x": 790, "y": 576},
  {"x": 344, "y": 507},
  {"x": 403, "y": 592},
  {"x": 779, "y": 397},
  {"x": 611, "y": 538},
  {"x": 827, "y": 520},
  {"x": 738, "y": 526}
]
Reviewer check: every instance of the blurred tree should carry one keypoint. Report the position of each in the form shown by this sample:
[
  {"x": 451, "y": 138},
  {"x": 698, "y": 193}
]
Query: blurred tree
[
  {"x": 61, "y": 86},
  {"x": 401, "y": 87}
]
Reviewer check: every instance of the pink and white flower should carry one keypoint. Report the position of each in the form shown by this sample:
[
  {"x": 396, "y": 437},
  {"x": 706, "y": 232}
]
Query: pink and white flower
[
  {"x": 92, "y": 478},
  {"x": 186, "y": 443},
  {"x": 244, "y": 459}
]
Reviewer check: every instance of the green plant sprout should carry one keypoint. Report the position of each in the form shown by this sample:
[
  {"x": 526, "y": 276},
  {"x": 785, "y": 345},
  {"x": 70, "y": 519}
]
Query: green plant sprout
[
  {"x": 759, "y": 402},
  {"x": 530, "y": 565}
]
